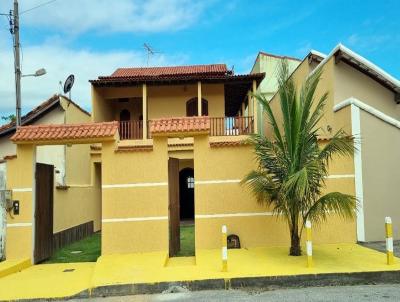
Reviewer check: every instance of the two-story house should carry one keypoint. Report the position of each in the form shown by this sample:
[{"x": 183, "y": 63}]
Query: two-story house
[{"x": 171, "y": 142}]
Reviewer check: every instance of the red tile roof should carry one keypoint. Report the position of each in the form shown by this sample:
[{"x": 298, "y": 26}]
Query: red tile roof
[
  {"x": 213, "y": 73},
  {"x": 65, "y": 132},
  {"x": 138, "y": 72},
  {"x": 38, "y": 112},
  {"x": 180, "y": 125}
]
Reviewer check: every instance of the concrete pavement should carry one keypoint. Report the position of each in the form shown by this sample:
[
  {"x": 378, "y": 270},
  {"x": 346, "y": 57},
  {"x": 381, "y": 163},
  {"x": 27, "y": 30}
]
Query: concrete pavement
[
  {"x": 370, "y": 293},
  {"x": 147, "y": 273}
]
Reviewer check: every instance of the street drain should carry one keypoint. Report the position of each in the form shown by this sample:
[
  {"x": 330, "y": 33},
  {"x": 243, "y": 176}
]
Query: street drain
[{"x": 68, "y": 270}]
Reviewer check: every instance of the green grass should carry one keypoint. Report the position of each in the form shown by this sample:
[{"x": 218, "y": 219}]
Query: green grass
[
  {"x": 90, "y": 247},
  {"x": 187, "y": 241}
]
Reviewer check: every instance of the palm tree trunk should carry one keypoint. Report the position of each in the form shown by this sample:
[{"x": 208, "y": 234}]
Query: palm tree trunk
[{"x": 295, "y": 249}]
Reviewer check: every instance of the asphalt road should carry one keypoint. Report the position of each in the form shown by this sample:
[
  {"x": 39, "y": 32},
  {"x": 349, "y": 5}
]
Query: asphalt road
[
  {"x": 380, "y": 246},
  {"x": 366, "y": 293}
]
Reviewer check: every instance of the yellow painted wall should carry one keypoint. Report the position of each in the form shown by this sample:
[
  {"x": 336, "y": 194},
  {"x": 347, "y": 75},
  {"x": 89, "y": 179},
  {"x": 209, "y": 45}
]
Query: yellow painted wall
[
  {"x": 124, "y": 168},
  {"x": 20, "y": 176},
  {"x": 163, "y": 101},
  {"x": 232, "y": 198},
  {"x": 350, "y": 82},
  {"x": 78, "y": 170},
  {"x": 75, "y": 206}
]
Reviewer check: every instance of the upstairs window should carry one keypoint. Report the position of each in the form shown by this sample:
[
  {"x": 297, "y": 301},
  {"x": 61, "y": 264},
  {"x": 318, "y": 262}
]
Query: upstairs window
[{"x": 191, "y": 107}]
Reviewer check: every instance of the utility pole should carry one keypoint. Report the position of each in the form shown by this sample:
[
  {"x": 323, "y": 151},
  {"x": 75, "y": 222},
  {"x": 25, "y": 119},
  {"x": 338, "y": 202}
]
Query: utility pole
[{"x": 17, "y": 63}]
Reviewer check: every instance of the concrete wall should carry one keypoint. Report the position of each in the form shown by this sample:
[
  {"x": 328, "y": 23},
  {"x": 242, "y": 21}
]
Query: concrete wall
[
  {"x": 350, "y": 82},
  {"x": 270, "y": 65},
  {"x": 77, "y": 157},
  {"x": 135, "y": 199},
  {"x": 19, "y": 228},
  {"x": 381, "y": 173},
  {"x": 222, "y": 200},
  {"x": 52, "y": 155},
  {"x": 7, "y": 147}
]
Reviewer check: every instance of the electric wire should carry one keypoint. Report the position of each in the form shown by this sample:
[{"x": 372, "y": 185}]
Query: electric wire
[{"x": 37, "y": 6}]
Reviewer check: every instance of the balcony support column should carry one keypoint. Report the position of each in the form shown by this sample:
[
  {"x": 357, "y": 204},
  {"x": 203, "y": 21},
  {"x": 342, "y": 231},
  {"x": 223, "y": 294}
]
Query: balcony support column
[
  {"x": 255, "y": 107},
  {"x": 243, "y": 108},
  {"x": 199, "y": 109},
  {"x": 144, "y": 111}
]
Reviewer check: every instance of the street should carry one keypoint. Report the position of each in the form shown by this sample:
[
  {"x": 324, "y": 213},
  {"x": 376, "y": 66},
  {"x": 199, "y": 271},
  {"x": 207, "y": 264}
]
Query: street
[{"x": 366, "y": 293}]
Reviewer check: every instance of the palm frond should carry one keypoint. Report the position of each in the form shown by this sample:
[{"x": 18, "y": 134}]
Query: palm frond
[{"x": 337, "y": 203}]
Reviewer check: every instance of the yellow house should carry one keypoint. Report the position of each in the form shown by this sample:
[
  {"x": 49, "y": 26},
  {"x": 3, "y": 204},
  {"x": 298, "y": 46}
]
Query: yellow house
[
  {"x": 364, "y": 101},
  {"x": 171, "y": 143},
  {"x": 70, "y": 186}
]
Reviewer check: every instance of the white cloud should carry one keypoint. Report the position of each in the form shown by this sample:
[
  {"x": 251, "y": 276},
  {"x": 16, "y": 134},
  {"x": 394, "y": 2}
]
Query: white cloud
[
  {"x": 77, "y": 16},
  {"x": 59, "y": 63},
  {"x": 372, "y": 42}
]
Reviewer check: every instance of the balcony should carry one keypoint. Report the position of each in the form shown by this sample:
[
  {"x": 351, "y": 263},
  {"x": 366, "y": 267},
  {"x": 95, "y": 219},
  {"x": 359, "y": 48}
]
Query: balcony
[
  {"x": 219, "y": 126},
  {"x": 231, "y": 126}
]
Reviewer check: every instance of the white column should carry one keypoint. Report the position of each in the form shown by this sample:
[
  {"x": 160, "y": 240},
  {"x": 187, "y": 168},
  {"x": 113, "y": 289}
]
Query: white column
[
  {"x": 199, "y": 109},
  {"x": 144, "y": 111}
]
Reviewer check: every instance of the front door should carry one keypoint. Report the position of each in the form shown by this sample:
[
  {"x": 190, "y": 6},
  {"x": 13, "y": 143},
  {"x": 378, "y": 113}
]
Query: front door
[
  {"x": 44, "y": 212},
  {"x": 173, "y": 208}
]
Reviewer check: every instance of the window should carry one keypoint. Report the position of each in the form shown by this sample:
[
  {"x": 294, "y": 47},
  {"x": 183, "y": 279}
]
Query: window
[
  {"x": 191, "y": 107},
  {"x": 190, "y": 182}
]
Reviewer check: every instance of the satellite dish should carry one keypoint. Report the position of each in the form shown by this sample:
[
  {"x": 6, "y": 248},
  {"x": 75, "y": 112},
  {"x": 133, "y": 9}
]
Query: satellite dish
[{"x": 69, "y": 82}]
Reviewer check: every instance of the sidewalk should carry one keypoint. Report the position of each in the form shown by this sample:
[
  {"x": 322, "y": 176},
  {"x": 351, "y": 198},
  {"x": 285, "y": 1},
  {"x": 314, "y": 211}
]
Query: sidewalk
[{"x": 154, "y": 272}]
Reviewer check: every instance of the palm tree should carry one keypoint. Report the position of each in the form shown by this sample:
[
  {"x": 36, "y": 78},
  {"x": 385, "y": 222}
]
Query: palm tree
[{"x": 292, "y": 165}]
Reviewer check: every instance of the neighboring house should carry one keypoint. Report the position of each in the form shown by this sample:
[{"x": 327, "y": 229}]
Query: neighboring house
[
  {"x": 270, "y": 64},
  {"x": 172, "y": 146},
  {"x": 76, "y": 208},
  {"x": 364, "y": 101}
]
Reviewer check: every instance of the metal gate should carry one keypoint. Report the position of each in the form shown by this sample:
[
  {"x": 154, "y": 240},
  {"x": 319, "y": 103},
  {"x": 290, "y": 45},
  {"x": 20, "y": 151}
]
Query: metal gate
[{"x": 3, "y": 221}]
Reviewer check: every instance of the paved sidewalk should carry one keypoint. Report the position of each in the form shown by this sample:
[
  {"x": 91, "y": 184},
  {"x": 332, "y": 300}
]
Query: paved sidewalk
[
  {"x": 154, "y": 272},
  {"x": 369, "y": 293},
  {"x": 380, "y": 246}
]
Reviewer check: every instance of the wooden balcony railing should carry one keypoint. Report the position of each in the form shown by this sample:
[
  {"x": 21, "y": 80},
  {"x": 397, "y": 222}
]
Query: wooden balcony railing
[
  {"x": 130, "y": 130},
  {"x": 231, "y": 126},
  {"x": 219, "y": 126}
]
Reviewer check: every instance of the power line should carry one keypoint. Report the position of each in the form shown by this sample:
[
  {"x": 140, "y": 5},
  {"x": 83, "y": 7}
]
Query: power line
[{"x": 37, "y": 6}]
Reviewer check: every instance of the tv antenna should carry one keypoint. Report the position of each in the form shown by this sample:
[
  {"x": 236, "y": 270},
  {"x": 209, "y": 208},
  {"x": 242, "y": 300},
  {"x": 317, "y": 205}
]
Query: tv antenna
[
  {"x": 69, "y": 82},
  {"x": 150, "y": 52}
]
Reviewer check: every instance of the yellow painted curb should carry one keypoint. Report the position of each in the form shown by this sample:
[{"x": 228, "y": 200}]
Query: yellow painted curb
[{"x": 9, "y": 267}]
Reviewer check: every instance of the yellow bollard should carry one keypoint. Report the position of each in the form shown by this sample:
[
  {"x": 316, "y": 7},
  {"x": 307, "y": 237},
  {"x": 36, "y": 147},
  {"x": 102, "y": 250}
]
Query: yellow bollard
[
  {"x": 309, "y": 244},
  {"x": 224, "y": 249},
  {"x": 389, "y": 240}
]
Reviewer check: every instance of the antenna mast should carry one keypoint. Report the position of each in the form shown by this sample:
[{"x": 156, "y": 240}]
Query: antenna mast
[{"x": 150, "y": 52}]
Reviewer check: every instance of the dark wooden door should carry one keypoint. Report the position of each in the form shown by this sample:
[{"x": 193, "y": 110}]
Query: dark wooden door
[
  {"x": 44, "y": 212},
  {"x": 173, "y": 207}
]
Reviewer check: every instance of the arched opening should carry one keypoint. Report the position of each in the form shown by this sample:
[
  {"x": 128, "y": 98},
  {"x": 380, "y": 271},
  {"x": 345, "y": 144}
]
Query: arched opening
[
  {"x": 186, "y": 194},
  {"x": 191, "y": 107}
]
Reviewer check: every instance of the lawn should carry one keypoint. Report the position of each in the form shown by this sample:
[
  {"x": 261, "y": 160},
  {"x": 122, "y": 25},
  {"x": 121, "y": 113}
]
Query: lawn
[
  {"x": 85, "y": 250},
  {"x": 187, "y": 241},
  {"x": 89, "y": 249}
]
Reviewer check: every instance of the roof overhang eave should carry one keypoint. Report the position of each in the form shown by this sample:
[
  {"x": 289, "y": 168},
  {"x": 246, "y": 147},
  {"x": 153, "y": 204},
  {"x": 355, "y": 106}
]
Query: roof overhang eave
[{"x": 67, "y": 141}]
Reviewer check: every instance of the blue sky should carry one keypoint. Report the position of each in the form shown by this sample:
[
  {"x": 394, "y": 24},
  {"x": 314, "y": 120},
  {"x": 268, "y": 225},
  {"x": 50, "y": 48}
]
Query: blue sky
[{"x": 93, "y": 37}]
